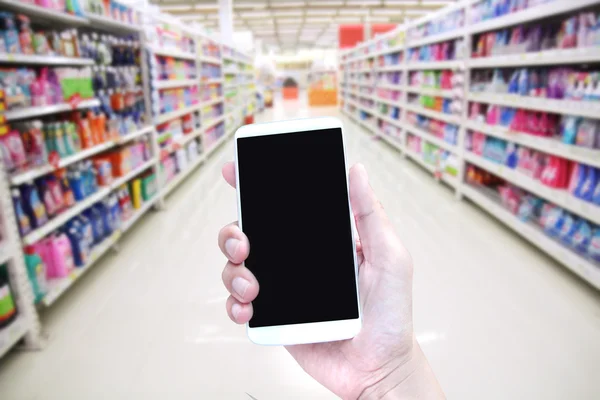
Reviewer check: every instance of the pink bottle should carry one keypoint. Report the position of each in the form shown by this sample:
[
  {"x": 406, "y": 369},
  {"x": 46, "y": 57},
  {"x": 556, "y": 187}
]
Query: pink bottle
[{"x": 57, "y": 255}]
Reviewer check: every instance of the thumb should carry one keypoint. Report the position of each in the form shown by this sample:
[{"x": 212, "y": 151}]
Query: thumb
[{"x": 372, "y": 222}]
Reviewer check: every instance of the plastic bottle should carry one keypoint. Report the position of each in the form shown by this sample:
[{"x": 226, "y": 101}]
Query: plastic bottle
[
  {"x": 22, "y": 218},
  {"x": 36, "y": 272}
]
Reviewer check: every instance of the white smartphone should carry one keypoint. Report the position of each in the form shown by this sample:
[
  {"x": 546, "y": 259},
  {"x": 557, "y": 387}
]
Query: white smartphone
[{"x": 294, "y": 206}]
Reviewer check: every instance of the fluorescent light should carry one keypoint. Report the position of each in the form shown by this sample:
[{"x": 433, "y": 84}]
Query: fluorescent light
[
  {"x": 288, "y": 4},
  {"x": 255, "y": 14},
  {"x": 321, "y": 11},
  {"x": 326, "y": 3},
  {"x": 414, "y": 12},
  {"x": 285, "y": 13},
  {"x": 354, "y": 12},
  {"x": 247, "y": 5},
  {"x": 192, "y": 17},
  {"x": 362, "y": 2},
  {"x": 401, "y": 3},
  {"x": 316, "y": 20},
  {"x": 183, "y": 7},
  {"x": 387, "y": 11}
]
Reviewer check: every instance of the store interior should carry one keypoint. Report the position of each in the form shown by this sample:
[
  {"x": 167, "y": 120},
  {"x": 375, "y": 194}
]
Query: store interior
[{"x": 478, "y": 122}]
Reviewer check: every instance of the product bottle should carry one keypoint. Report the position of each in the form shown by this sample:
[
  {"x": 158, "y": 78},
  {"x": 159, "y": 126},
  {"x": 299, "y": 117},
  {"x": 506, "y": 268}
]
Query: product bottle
[{"x": 36, "y": 272}]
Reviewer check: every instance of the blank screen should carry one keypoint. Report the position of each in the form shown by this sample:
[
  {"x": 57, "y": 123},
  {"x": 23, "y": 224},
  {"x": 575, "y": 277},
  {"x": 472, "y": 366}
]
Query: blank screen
[{"x": 294, "y": 206}]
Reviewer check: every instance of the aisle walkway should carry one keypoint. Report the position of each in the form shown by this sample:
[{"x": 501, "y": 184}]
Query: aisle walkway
[{"x": 497, "y": 319}]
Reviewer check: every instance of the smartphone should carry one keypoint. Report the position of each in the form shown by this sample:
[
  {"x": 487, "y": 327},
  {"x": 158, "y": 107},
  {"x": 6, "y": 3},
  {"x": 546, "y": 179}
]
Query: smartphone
[{"x": 294, "y": 207}]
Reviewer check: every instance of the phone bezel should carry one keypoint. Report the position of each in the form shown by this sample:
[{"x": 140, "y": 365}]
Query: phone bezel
[{"x": 314, "y": 332}]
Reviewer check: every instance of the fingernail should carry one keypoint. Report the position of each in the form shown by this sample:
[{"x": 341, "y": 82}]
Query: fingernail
[
  {"x": 236, "y": 309},
  {"x": 240, "y": 285},
  {"x": 231, "y": 246}
]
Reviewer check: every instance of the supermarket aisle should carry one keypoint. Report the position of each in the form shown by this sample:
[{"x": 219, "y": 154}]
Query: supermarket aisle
[{"x": 497, "y": 319}]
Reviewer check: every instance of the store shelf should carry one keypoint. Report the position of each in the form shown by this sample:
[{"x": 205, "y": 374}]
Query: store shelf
[
  {"x": 42, "y": 14},
  {"x": 532, "y": 233},
  {"x": 33, "y": 112},
  {"x": 182, "y": 175},
  {"x": 450, "y": 180},
  {"x": 29, "y": 175},
  {"x": 393, "y": 103},
  {"x": 173, "y": 53},
  {"x": 454, "y": 64},
  {"x": 111, "y": 25},
  {"x": 5, "y": 252},
  {"x": 394, "y": 142},
  {"x": 548, "y": 57},
  {"x": 209, "y": 60},
  {"x": 531, "y": 14},
  {"x": 389, "y": 50},
  {"x": 10, "y": 335},
  {"x": 212, "y": 122},
  {"x": 449, "y": 118},
  {"x": 212, "y": 102},
  {"x": 560, "y": 197},
  {"x": 134, "y": 135},
  {"x": 137, "y": 214},
  {"x": 211, "y": 81},
  {"x": 177, "y": 113},
  {"x": 170, "y": 84},
  {"x": 391, "y": 68},
  {"x": 124, "y": 179},
  {"x": 396, "y": 122},
  {"x": 552, "y": 146},
  {"x": 441, "y": 37},
  {"x": 65, "y": 216},
  {"x": 447, "y": 93},
  {"x": 587, "y": 109},
  {"x": 390, "y": 86},
  {"x": 43, "y": 60},
  {"x": 428, "y": 137}
]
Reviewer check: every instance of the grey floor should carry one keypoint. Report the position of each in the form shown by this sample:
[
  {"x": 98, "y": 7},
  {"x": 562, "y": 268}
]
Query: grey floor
[{"x": 497, "y": 319}]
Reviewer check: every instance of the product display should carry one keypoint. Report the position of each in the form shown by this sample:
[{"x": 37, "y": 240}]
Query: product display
[{"x": 512, "y": 123}]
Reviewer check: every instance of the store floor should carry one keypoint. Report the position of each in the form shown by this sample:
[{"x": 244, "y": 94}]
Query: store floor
[{"x": 497, "y": 319}]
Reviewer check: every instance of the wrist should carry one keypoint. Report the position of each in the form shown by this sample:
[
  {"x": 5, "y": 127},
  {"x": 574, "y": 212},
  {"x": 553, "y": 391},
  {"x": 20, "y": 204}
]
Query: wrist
[{"x": 412, "y": 379}]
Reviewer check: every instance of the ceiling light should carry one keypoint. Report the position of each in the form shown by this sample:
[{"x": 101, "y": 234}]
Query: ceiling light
[
  {"x": 248, "y": 5},
  {"x": 321, "y": 11},
  {"x": 255, "y": 14},
  {"x": 354, "y": 12},
  {"x": 401, "y": 3},
  {"x": 326, "y": 3},
  {"x": 285, "y": 13},
  {"x": 362, "y": 3},
  {"x": 289, "y": 4},
  {"x": 386, "y": 11},
  {"x": 183, "y": 7},
  {"x": 192, "y": 17}
]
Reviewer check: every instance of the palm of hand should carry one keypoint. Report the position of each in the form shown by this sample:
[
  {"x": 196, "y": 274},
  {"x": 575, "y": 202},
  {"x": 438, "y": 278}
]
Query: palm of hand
[{"x": 348, "y": 367}]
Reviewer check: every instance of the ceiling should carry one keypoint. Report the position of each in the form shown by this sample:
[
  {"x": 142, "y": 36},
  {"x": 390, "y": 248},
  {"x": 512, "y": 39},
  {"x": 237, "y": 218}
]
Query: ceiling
[{"x": 290, "y": 25}]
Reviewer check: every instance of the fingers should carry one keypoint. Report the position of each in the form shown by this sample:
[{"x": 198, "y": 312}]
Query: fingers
[
  {"x": 233, "y": 243},
  {"x": 240, "y": 282},
  {"x": 238, "y": 312},
  {"x": 229, "y": 173},
  {"x": 372, "y": 222}
]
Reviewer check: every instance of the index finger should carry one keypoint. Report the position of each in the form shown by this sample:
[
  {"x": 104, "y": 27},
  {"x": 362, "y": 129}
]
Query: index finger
[{"x": 229, "y": 173}]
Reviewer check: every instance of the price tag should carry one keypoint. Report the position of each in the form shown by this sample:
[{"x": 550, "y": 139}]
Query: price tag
[{"x": 75, "y": 100}]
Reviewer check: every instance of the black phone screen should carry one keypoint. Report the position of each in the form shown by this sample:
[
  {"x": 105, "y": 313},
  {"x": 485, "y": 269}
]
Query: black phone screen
[{"x": 295, "y": 212}]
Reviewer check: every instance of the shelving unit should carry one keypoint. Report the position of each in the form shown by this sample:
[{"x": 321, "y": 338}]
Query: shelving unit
[
  {"x": 210, "y": 95},
  {"x": 366, "y": 71}
]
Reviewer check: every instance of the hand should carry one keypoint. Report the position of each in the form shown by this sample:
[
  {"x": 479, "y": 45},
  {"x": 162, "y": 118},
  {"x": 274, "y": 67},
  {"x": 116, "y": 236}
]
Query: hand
[{"x": 384, "y": 359}]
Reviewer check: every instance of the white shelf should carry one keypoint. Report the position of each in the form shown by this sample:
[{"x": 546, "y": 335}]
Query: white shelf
[
  {"x": 43, "y": 60},
  {"x": 531, "y": 14},
  {"x": 177, "y": 113},
  {"x": 32, "y": 112},
  {"x": 65, "y": 216},
  {"x": 393, "y": 103},
  {"x": 396, "y": 122},
  {"x": 11, "y": 334},
  {"x": 42, "y": 13},
  {"x": 440, "y": 37},
  {"x": 212, "y": 122},
  {"x": 428, "y": 137},
  {"x": 211, "y": 81},
  {"x": 450, "y": 180},
  {"x": 125, "y": 226},
  {"x": 170, "y": 84},
  {"x": 111, "y": 25},
  {"x": 134, "y": 135},
  {"x": 391, "y": 68},
  {"x": 447, "y": 93},
  {"x": 5, "y": 252},
  {"x": 548, "y": 57},
  {"x": 209, "y": 60},
  {"x": 560, "y": 197},
  {"x": 587, "y": 109},
  {"x": 182, "y": 175},
  {"x": 212, "y": 102},
  {"x": 547, "y": 145},
  {"x": 390, "y": 86},
  {"x": 173, "y": 53},
  {"x": 573, "y": 261},
  {"x": 362, "y": 84},
  {"x": 389, "y": 50},
  {"x": 449, "y": 118},
  {"x": 394, "y": 142},
  {"x": 124, "y": 179},
  {"x": 420, "y": 65}
]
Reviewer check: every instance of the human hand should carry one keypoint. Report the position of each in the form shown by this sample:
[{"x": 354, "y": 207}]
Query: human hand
[{"x": 384, "y": 359}]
